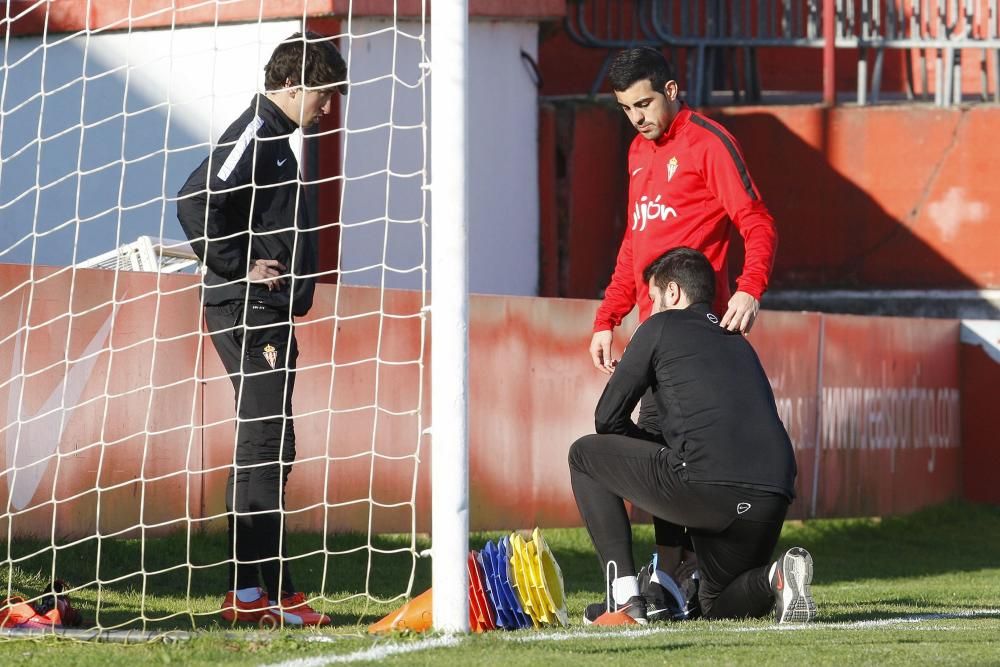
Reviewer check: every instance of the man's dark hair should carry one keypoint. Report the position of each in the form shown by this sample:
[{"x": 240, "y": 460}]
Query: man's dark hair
[
  {"x": 687, "y": 267},
  {"x": 633, "y": 65},
  {"x": 311, "y": 54}
]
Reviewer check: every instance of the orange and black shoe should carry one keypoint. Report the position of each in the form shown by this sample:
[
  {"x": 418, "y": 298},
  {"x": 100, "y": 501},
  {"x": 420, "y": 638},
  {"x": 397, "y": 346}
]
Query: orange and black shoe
[
  {"x": 295, "y": 611},
  {"x": 635, "y": 607},
  {"x": 234, "y": 609},
  {"x": 16, "y": 613},
  {"x": 56, "y": 607}
]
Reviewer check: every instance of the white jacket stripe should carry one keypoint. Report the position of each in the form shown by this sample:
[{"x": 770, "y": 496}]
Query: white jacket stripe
[{"x": 240, "y": 147}]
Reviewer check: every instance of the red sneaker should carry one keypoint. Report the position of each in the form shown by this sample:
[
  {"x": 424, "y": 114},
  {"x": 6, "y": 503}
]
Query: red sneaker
[
  {"x": 16, "y": 613},
  {"x": 56, "y": 607},
  {"x": 234, "y": 609},
  {"x": 295, "y": 610}
]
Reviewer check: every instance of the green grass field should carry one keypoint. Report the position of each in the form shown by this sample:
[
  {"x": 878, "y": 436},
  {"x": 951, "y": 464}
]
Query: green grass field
[{"x": 919, "y": 589}]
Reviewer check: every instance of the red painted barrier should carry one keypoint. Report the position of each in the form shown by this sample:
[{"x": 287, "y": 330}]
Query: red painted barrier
[
  {"x": 582, "y": 189},
  {"x": 789, "y": 348},
  {"x": 863, "y": 198},
  {"x": 980, "y": 357},
  {"x": 890, "y": 439},
  {"x": 32, "y": 18},
  {"x": 879, "y": 198},
  {"x": 548, "y": 177},
  {"x": 103, "y": 435}
]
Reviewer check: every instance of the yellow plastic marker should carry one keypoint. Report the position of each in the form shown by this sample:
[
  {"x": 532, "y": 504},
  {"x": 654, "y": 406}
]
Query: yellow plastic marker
[
  {"x": 552, "y": 579},
  {"x": 521, "y": 585},
  {"x": 529, "y": 560}
]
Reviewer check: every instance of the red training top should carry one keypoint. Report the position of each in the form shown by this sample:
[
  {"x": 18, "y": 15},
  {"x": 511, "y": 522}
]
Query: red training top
[{"x": 684, "y": 189}]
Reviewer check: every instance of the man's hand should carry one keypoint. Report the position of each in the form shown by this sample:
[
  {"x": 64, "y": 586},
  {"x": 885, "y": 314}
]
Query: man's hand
[
  {"x": 600, "y": 352},
  {"x": 742, "y": 312},
  {"x": 269, "y": 272}
]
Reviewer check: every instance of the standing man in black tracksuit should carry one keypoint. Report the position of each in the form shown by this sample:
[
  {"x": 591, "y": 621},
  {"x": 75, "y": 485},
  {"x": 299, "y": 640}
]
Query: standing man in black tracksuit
[
  {"x": 245, "y": 213},
  {"x": 724, "y": 467}
]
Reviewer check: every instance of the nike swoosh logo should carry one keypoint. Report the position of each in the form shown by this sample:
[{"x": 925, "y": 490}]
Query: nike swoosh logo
[
  {"x": 637, "y": 171},
  {"x": 281, "y": 162},
  {"x": 33, "y": 439}
]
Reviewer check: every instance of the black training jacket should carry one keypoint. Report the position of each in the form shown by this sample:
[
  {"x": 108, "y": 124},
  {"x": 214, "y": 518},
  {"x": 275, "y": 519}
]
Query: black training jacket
[
  {"x": 244, "y": 203},
  {"x": 716, "y": 408}
]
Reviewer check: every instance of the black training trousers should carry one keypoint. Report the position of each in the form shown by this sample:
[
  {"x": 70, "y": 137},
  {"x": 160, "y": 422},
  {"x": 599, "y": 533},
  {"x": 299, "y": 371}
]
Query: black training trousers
[
  {"x": 667, "y": 534},
  {"x": 734, "y": 529},
  {"x": 259, "y": 353}
]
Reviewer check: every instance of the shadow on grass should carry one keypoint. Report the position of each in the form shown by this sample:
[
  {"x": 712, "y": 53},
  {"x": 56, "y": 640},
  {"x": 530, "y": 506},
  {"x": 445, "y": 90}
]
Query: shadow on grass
[
  {"x": 170, "y": 576},
  {"x": 890, "y": 609},
  {"x": 639, "y": 648},
  {"x": 124, "y": 580},
  {"x": 951, "y": 538}
]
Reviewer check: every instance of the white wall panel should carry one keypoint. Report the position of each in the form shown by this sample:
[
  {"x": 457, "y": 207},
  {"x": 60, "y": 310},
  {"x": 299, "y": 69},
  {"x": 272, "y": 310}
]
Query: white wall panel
[
  {"x": 126, "y": 116},
  {"x": 124, "y": 119},
  {"x": 381, "y": 200}
]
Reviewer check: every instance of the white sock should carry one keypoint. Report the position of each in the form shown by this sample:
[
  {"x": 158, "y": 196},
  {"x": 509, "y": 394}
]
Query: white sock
[
  {"x": 248, "y": 594},
  {"x": 624, "y": 588},
  {"x": 770, "y": 573}
]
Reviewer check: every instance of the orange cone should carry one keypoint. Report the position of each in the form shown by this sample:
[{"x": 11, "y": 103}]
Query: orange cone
[
  {"x": 615, "y": 618},
  {"x": 414, "y": 616}
]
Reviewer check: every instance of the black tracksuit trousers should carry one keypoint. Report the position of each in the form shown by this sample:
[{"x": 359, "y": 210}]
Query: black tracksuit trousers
[
  {"x": 734, "y": 529},
  {"x": 259, "y": 353}
]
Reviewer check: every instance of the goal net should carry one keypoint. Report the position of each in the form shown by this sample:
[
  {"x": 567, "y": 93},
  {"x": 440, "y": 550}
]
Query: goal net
[{"x": 120, "y": 426}]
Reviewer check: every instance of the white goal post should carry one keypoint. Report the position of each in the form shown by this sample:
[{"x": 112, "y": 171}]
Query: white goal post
[
  {"x": 118, "y": 418},
  {"x": 450, "y": 313}
]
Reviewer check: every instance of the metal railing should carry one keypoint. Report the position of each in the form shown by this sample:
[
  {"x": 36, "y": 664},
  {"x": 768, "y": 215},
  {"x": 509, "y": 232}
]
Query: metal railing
[{"x": 714, "y": 32}]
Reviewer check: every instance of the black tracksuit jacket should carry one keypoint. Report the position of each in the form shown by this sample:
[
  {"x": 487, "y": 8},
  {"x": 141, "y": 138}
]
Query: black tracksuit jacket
[
  {"x": 716, "y": 408},
  {"x": 244, "y": 202}
]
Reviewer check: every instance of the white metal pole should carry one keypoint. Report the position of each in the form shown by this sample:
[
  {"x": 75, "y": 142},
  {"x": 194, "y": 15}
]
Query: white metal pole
[{"x": 449, "y": 314}]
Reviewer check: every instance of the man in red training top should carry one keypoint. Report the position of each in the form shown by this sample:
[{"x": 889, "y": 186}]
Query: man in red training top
[{"x": 688, "y": 184}]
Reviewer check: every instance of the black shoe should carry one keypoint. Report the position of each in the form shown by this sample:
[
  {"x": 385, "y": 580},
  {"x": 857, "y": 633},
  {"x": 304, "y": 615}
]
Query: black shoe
[
  {"x": 691, "y": 589},
  {"x": 664, "y": 604},
  {"x": 790, "y": 583},
  {"x": 594, "y": 611},
  {"x": 635, "y": 607},
  {"x": 661, "y": 605}
]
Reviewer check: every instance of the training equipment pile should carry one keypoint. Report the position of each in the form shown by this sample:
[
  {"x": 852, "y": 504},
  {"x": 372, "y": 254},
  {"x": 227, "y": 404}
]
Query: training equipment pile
[{"x": 515, "y": 583}]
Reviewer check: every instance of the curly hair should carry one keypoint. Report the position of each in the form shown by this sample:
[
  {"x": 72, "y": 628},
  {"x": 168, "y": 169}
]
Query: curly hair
[{"x": 308, "y": 59}]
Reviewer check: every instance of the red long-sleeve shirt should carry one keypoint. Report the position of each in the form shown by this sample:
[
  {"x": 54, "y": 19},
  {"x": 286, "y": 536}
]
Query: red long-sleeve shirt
[{"x": 685, "y": 189}]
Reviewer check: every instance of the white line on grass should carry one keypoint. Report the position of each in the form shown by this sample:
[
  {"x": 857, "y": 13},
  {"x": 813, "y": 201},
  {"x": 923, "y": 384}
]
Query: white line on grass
[
  {"x": 374, "y": 653},
  {"x": 916, "y": 618},
  {"x": 680, "y": 627},
  {"x": 390, "y": 649}
]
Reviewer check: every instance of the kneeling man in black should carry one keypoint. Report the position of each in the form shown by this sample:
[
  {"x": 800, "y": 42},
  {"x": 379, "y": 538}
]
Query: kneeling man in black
[{"x": 724, "y": 466}]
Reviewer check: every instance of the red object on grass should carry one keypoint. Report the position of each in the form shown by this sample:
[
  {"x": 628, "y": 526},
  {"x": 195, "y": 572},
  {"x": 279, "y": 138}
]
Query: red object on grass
[
  {"x": 615, "y": 618},
  {"x": 482, "y": 616}
]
